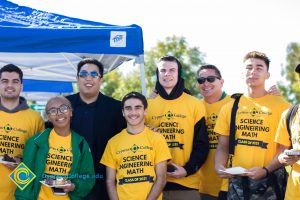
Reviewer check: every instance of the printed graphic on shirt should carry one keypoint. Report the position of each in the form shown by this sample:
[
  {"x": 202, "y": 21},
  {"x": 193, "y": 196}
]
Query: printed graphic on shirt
[
  {"x": 210, "y": 125},
  {"x": 60, "y": 157},
  {"x": 59, "y": 160},
  {"x": 251, "y": 124},
  {"x": 170, "y": 128},
  {"x": 135, "y": 164},
  {"x": 11, "y": 140}
]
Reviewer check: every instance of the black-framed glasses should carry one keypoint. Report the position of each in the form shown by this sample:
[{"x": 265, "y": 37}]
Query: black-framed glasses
[
  {"x": 84, "y": 74},
  {"x": 209, "y": 79},
  {"x": 54, "y": 111}
]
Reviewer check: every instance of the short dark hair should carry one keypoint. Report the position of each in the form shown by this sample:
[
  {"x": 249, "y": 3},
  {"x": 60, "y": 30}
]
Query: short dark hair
[
  {"x": 90, "y": 61},
  {"x": 258, "y": 55},
  {"x": 208, "y": 66},
  {"x": 135, "y": 95},
  {"x": 12, "y": 68},
  {"x": 171, "y": 59}
]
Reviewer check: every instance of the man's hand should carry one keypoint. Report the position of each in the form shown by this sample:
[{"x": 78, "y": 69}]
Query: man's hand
[
  {"x": 287, "y": 160},
  {"x": 67, "y": 188},
  {"x": 220, "y": 171},
  {"x": 256, "y": 173},
  {"x": 178, "y": 173},
  {"x": 153, "y": 94},
  {"x": 11, "y": 166},
  {"x": 274, "y": 91}
]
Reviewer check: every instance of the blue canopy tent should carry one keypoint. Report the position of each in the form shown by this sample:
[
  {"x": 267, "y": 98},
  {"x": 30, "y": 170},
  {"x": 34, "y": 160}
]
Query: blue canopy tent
[{"x": 48, "y": 46}]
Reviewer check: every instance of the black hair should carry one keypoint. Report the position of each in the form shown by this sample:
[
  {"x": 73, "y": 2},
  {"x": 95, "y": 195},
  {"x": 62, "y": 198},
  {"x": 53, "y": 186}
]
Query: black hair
[
  {"x": 90, "y": 61},
  {"x": 208, "y": 66},
  {"x": 12, "y": 68},
  {"x": 258, "y": 55},
  {"x": 135, "y": 95}
]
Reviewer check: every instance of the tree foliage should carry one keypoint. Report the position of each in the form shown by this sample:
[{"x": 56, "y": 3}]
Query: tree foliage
[
  {"x": 117, "y": 84},
  {"x": 290, "y": 89}
]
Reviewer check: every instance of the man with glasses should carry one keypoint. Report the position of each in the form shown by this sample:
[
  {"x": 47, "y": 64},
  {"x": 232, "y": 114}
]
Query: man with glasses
[
  {"x": 96, "y": 117},
  {"x": 256, "y": 121},
  {"x": 180, "y": 117},
  {"x": 210, "y": 83},
  {"x": 18, "y": 123}
]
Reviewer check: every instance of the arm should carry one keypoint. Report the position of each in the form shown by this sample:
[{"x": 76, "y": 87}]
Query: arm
[
  {"x": 273, "y": 90},
  {"x": 221, "y": 156},
  {"x": 257, "y": 173},
  {"x": 285, "y": 159},
  {"x": 160, "y": 182},
  {"x": 200, "y": 148},
  {"x": 111, "y": 183}
]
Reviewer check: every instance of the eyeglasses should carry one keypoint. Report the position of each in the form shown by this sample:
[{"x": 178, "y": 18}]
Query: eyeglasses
[
  {"x": 84, "y": 74},
  {"x": 209, "y": 79},
  {"x": 54, "y": 111}
]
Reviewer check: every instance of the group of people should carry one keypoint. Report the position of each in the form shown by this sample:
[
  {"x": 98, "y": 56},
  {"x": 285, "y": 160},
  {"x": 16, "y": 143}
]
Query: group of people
[{"x": 171, "y": 147}]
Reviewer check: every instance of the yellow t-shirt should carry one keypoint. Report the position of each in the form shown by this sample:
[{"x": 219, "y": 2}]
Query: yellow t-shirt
[
  {"x": 134, "y": 157},
  {"x": 58, "y": 163},
  {"x": 282, "y": 137},
  {"x": 210, "y": 182},
  {"x": 175, "y": 120},
  {"x": 15, "y": 130},
  {"x": 256, "y": 124}
]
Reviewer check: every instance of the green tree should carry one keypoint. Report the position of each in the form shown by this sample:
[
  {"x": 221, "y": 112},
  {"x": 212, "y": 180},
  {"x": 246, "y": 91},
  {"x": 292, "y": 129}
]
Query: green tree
[
  {"x": 190, "y": 57},
  {"x": 290, "y": 88},
  {"x": 117, "y": 84}
]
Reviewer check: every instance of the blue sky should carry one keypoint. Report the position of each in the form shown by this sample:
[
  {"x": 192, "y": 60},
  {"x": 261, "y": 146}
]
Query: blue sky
[{"x": 224, "y": 30}]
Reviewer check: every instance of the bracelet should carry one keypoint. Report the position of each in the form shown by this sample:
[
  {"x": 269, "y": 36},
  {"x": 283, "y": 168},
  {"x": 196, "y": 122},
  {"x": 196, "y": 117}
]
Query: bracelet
[{"x": 267, "y": 171}]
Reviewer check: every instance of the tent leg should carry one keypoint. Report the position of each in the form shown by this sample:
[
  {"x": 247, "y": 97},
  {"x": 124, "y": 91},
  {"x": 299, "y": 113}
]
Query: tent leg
[{"x": 143, "y": 82}]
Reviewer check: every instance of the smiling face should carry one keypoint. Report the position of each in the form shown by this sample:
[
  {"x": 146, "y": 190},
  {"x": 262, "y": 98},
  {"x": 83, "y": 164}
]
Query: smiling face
[
  {"x": 168, "y": 75},
  {"x": 10, "y": 85},
  {"x": 207, "y": 89},
  {"x": 59, "y": 112},
  {"x": 89, "y": 86},
  {"x": 134, "y": 112},
  {"x": 256, "y": 72}
]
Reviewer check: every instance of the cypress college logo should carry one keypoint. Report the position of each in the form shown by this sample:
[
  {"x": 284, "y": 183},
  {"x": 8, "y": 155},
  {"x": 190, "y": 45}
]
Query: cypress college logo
[{"x": 22, "y": 176}]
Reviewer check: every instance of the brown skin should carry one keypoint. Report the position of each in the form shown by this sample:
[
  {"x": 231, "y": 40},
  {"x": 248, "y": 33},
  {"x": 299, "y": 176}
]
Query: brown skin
[
  {"x": 89, "y": 87},
  {"x": 256, "y": 74},
  {"x": 61, "y": 125},
  {"x": 134, "y": 113}
]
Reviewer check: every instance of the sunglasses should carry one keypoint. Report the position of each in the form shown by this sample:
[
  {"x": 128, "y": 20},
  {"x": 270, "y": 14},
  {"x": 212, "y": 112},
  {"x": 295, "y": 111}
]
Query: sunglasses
[
  {"x": 84, "y": 74},
  {"x": 54, "y": 111},
  {"x": 209, "y": 79}
]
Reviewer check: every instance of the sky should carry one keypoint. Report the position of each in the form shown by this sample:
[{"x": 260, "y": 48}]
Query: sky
[{"x": 223, "y": 30}]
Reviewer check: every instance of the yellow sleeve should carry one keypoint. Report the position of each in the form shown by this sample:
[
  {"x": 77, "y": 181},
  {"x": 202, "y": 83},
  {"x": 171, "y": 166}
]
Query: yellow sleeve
[
  {"x": 200, "y": 111},
  {"x": 108, "y": 158},
  {"x": 282, "y": 135},
  {"x": 222, "y": 126},
  {"x": 162, "y": 151}
]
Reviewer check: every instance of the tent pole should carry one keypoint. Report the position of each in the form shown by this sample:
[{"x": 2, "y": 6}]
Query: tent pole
[
  {"x": 143, "y": 82},
  {"x": 140, "y": 60}
]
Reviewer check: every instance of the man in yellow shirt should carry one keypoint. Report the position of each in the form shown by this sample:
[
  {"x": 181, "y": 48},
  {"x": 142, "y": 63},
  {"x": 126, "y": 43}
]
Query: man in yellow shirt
[
  {"x": 18, "y": 123},
  {"x": 210, "y": 83},
  {"x": 257, "y": 119},
  {"x": 180, "y": 118},
  {"x": 136, "y": 158},
  {"x": 287, "y": 141}
]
